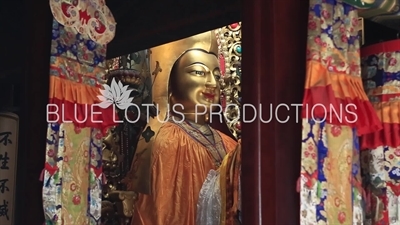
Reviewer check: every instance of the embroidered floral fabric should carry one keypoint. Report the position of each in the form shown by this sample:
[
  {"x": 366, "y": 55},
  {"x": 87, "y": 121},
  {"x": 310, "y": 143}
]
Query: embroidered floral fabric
[
  {"x": 72, "y": 188},
  {"x": 333, "y": 79},
  {"x": 74, "y": 88},
  {"x": 72, "y": 178},
  {"x": 381, "y": 161},
  {"x": 381, "y": 173},
  {"x": 77, "y": 66},
  {"x": 381, "y": 75},
  {"x": 330, "y": 180},
  {"x": 75, "y": 46},
  {"x": 91, "y": 18}
]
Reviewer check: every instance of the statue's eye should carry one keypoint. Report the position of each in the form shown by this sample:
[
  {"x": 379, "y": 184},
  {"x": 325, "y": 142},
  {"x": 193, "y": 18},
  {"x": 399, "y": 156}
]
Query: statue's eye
[{"x": 198, "y": 73}]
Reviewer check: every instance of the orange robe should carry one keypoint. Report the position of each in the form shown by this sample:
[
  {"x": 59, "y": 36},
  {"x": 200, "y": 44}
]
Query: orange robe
[
  {"x": 229, "y": 186},
  {"x": 180, "y": 165}
]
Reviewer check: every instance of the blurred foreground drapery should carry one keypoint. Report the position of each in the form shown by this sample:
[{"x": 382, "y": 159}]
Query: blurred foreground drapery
[
  {"x": 336, "y": 111},
  {"x": 381, "y": 160},
  {"x": 73, "y": 170}
]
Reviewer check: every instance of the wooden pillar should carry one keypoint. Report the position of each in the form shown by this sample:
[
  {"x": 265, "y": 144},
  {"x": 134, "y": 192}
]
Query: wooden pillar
[
  {"x": 274, "y": 45},
  {"x": 35, "y": 92}
]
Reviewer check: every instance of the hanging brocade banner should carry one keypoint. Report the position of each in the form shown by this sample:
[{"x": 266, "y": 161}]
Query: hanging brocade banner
[
  {"x": 381, "y": 76},
  {"x": 335, "y": 112},
  {"x": 91, "y": 18},
  {"x": 380, "y": 160},
  {"x": 8, "y": 166},
  {"x": 77, "y": 67},
  {"x": 72, "y": 177}
]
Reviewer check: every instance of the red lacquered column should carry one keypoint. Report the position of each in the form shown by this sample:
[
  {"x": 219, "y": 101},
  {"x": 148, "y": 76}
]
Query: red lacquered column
[
  {"x": 36, "y": 20},
  {"x": 274, "y": 47}
]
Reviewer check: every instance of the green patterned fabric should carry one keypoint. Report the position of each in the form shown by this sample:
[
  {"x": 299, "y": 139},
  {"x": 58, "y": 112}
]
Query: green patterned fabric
[{"x": 360, "y": 4}]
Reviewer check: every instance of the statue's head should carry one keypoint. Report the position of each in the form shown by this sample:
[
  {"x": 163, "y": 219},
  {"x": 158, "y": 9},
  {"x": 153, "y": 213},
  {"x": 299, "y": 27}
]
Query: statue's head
[
  {"x": 194, "y": 80},
  {"x": 185, "y": 72}
]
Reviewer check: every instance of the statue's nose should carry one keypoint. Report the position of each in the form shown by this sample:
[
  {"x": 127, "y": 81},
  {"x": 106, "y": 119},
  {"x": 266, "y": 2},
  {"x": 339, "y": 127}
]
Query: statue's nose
[{"x": 211, "y": 81}]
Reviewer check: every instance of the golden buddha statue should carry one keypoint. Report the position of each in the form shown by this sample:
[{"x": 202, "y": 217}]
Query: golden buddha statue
[
  {"x": 120, "y": 143},
  {"x": 178, "y": 149}
]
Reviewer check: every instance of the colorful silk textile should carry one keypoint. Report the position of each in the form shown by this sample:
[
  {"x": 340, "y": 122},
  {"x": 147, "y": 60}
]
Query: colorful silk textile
[
  {"x": 360, "y": 4},
  {"x": 331, "y": 190},
  {"x": 77, "y": 68},
  {"x": 74, "y": 46},
  {"x": 74, "y": 88},
  {"x": 381, "y": 161},
  {"x": 381, "y": 74},
  {"x": 73, "y": 169},
  {"x": 330, "y": 183},
  {"x": 73, "y": 175},
  {"x": 91, "y": 18},
  {"x": 333, "y": 79}
]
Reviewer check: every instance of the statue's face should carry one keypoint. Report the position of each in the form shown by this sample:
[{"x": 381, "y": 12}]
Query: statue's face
[{"x": 195, "y": 80}]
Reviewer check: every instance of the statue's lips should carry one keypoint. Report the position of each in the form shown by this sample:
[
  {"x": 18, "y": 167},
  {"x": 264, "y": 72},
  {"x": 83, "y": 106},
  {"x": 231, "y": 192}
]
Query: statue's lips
[{"x": 208, "y": 95}]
